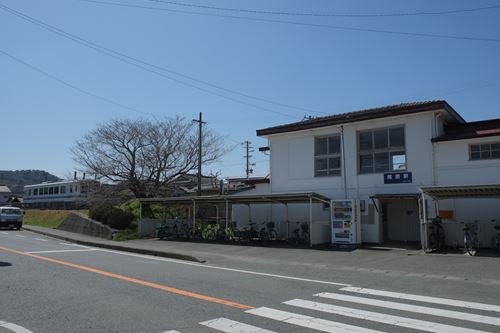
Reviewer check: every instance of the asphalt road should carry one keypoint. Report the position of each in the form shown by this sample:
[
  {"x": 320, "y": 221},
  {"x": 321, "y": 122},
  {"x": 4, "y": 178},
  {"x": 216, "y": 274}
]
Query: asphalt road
[{"x": 51, "y": 286}]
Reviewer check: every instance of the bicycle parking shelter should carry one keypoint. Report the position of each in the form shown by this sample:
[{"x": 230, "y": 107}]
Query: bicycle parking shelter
[
  {"x": 438, "y": 193},
  {"x": 309, "y": 198}
]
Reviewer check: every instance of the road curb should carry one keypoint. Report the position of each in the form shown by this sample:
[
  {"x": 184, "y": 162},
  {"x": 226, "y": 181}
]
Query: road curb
[{"x": 117, "y": 247}]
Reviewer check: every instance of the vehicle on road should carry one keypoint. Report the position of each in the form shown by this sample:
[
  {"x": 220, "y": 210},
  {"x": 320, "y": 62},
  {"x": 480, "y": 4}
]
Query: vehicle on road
[{"x": 11, "y": 217}]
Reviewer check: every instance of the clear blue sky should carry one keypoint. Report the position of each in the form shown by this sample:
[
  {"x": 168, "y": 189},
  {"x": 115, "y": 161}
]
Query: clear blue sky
[{"x": 317, "y": 68}]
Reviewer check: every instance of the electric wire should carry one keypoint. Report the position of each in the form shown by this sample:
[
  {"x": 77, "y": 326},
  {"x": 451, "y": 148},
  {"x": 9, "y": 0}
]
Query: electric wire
[
  {"x": 313, "y": 25},
  {"x": 72, "y": 86},
  {"x": 269, "y": 12},
  {"x": 130, "y": 60}
]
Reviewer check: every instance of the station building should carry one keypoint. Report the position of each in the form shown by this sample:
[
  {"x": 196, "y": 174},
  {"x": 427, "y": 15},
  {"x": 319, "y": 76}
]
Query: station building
[{"x": 384, "y": 157}]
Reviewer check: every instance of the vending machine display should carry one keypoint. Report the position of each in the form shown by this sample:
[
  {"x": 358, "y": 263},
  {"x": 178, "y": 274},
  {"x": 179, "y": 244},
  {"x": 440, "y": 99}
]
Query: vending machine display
[{"x": 345, "y": 222}]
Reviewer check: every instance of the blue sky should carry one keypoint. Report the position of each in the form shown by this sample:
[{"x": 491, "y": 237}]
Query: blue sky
[{"x": 315, "y": 68}]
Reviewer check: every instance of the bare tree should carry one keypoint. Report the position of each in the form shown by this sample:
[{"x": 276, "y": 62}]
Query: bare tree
[{"x": 144, "y": 156}]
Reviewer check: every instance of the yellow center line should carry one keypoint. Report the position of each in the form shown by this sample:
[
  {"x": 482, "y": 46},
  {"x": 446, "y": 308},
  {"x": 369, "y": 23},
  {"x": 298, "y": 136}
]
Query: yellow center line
[{"x": 134, "y": 280}]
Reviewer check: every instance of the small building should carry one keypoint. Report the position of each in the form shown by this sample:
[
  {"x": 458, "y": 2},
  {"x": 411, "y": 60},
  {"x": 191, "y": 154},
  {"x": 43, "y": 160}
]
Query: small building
[
  {"x": 5, "y": 194},
  {"x": 383, "y": 157}
]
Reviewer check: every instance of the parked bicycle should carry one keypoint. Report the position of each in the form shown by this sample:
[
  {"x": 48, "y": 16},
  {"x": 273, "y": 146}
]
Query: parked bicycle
[
  {"x": 300, "y": 235},
  {"x": 268, "y": 232},
  {"x": 497, "y": 238},
  {"x": 471, "y": 240},
  {"x": 163, "y": 231},
  {"x": 436, "y": 237}
]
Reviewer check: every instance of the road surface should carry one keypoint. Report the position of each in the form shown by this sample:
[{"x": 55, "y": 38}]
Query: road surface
[{"x": 47, "y": 285}]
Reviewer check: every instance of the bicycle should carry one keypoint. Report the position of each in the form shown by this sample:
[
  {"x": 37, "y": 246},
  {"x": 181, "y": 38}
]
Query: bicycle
[
  {"x": 471, "y": 241},
  {"x": 436, "y": 237},
  {"x": 272, "y": 235},
  {"x": 300, "y": 235},
  {"x": 497, "y": 238},
  {"x": 163, "y": 231}
]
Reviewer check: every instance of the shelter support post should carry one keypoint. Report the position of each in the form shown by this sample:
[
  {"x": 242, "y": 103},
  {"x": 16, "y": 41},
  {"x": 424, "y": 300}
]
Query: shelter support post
[
  {"x": 217, "y": 213},
  {"x": 194, "y": 217},
  {"x": 140, "y": 219},
  {"x": 227, "y": 213},
  {"x": 424, "y": 222},
  {"x": 287, "y": 222},
  {"x": 310, "y": 221}
]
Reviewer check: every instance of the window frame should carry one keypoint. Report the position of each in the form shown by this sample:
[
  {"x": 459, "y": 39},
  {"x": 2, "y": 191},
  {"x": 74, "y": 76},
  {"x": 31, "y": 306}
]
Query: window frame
[
  {"x": 390, "y": 150},
  {"x": 480, "y": 151},
  {"x": 329, "y": 171}
]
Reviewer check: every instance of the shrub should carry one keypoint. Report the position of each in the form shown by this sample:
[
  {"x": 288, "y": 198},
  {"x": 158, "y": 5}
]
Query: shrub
[
  {"x": 101, "y": 212},
  {"x": 119, "y": 219}
]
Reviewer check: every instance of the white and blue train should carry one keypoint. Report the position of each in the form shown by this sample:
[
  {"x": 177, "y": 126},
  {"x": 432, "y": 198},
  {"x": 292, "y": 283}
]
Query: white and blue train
[{"x": 64, "y": 194}]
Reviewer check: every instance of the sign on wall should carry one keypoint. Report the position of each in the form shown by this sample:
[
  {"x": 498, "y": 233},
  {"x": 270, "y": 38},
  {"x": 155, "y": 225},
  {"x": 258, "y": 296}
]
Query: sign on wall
[{"x": 397, "y": 177}]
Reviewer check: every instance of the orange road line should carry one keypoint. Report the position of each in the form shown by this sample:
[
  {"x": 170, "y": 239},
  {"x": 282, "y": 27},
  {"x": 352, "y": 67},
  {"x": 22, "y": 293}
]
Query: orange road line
[{"x": 134, "y": 280}]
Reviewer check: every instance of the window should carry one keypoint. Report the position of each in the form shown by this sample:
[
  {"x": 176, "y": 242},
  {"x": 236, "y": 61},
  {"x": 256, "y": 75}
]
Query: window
[
  {"x": 382, "y": 150},
  {"x": 485, "y": 151},
  {"x": 63, "y": 189},
  {"x": 45, "y": 190},
  {"x": 35, "y": 191},
  {"x": 56, "y": 190},
  {"x": 327, "y": 156},
  {"x": 51, "y": 190}
]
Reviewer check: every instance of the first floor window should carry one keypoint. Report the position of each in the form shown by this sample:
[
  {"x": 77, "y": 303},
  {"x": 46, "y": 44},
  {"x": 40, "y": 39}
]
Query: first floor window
[
  {"x": 327, "y": 156},
  {"x": 484, "y": 151}
]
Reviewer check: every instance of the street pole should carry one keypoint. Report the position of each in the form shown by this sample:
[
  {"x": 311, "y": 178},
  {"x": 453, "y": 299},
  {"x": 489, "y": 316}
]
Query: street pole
[{"x": 200, "y": 124}]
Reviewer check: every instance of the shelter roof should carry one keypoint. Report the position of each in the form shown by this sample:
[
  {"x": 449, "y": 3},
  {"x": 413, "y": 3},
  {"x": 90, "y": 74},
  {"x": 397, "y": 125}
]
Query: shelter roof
[{"x": 462, "y": 191}]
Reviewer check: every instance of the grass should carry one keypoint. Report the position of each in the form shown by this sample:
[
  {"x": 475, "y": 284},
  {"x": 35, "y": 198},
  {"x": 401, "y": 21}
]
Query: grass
[
  {"x": 47, "y": 218},
  {"x": 126, "y": 234}
]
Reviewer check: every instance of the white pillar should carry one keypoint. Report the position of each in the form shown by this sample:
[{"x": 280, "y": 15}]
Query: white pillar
[{"x": 310, "y": 221}]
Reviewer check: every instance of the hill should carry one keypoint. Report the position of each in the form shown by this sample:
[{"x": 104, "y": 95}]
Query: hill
[{"x": 15, "y": 180}]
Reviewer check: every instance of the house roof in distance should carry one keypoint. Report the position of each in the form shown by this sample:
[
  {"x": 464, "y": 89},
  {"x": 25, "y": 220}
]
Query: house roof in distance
[
  {"x": 471, "y": 130},
  {"x": 4, "y": 189},
  {"x": 367, "y": 114}
]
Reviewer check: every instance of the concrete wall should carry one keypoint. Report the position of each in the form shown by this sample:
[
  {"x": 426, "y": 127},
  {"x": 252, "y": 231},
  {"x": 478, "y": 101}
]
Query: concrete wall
[{"x": 86, "y": 226}]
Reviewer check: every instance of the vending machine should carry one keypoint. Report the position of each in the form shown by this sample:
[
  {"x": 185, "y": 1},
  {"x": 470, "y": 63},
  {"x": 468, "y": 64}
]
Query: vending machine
[{"x": 345, "y": 222}]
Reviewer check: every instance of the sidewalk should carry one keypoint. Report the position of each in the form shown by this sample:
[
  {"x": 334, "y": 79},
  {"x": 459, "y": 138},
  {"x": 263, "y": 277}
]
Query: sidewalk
[{"x": 377, "y": 262}]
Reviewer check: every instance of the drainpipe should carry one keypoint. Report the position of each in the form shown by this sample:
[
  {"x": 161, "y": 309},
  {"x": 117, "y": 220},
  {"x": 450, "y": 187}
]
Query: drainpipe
[{"x": 343, "y": 161}]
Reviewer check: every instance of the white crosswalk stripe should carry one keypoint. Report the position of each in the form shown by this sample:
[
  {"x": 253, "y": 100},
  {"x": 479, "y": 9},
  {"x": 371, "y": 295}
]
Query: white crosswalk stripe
[
  {"x": 309, "y": 322},
  {"x": 231, "y": 326},
  {"x": 426, "y": 299},
  {"x": 431, "y": 318},
  {"x": 413, "y": 308},
  {"x": 422, "y": 325}
]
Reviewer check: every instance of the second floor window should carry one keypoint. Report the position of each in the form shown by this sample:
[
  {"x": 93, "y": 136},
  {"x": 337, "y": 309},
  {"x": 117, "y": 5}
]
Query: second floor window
[
  {"x": 382, "y": 150},
  {"x": 327, "y": 156},
  {"x": 484, "y": 151}
]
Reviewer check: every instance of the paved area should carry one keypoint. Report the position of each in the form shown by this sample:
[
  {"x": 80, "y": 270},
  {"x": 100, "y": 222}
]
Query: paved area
[
  {"x": 50, "y": 285},
  {"x": 379, "y": 261}
]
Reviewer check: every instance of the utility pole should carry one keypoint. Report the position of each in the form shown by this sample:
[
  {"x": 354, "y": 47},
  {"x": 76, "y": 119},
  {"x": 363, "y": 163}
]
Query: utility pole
[
  {"x": 249, "y": 150},
  {"x": 200, "y": 124}
]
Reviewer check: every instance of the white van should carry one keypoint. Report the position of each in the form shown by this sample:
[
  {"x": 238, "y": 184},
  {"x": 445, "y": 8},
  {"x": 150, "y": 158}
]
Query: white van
[{"x": 11, "y": 217}]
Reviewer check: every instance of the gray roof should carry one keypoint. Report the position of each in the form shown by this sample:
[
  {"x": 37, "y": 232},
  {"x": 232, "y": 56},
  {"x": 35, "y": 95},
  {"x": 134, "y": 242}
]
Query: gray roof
[
  {"x": 363, "y": 115},
  {"x": 4, "y": 189}
]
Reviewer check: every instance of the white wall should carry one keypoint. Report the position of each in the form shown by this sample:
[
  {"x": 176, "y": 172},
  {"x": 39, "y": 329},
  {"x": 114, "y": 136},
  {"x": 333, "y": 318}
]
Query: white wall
[
  {"x": 453, "y": 166},
  {"x": 292, "y": 165}
]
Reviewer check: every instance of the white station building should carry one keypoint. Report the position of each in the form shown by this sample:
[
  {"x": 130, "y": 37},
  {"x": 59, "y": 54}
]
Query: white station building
[{"x": 385, "y": 157}]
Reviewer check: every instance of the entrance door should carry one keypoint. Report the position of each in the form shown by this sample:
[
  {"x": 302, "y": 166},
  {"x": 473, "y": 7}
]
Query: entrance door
[{"x": 401, "y": 220}]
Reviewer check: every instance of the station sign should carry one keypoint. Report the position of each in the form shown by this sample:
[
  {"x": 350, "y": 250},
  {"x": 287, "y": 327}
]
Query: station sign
[{"x": 397, "y": 177}]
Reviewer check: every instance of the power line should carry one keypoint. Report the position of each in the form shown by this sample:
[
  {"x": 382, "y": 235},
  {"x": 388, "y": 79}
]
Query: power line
[
  {"x": 130, "y": 60},
  {"x": 72, "y": 86},
  {"x": 313, "y": 25},
  {"x": 174, "y": 72},
  {"x": 269, "y": 12}
]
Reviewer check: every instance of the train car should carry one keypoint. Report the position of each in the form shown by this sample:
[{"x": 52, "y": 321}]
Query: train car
[{"x": 69, "y": 194}]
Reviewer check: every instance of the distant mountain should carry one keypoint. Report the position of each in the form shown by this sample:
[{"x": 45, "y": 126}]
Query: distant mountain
[{"x": 15, "y": 180}]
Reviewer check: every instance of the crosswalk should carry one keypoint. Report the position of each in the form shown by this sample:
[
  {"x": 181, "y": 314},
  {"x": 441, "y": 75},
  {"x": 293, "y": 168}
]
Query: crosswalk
[{"x": 371, "y": 311}]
